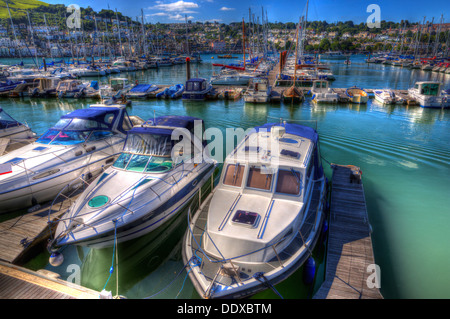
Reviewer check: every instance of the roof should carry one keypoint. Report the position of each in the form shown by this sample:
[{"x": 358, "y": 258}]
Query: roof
[{"x": 295, "y": 129}]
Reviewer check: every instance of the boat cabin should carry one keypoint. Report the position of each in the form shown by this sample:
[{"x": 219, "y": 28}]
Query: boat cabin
[
  {"x": 196, "y": 85},
  {"x": 428, "y": 88},
  {"x": 119, "y": 83}
]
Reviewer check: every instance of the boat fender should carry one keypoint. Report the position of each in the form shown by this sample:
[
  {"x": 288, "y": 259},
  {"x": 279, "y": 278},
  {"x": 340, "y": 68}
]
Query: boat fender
[
  {"x": 309, "y": 271},
  {"x": 56, "y": 259}
]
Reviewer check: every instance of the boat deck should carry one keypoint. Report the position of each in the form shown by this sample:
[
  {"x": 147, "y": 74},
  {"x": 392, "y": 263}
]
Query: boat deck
[
  {"x": 210, "y": 266},
  {"x": 349, "y": 251}
]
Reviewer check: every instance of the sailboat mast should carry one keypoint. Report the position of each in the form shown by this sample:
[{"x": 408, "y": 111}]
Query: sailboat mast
[
  {"x": 243, "y": 39},
  {"x": 14, "y": 29},
  {"x": 120, "y": 38}
]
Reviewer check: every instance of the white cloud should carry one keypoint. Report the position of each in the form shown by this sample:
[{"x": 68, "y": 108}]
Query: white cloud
[
  {"x": 159, "y": 14},
  {"x": 226, "y": 9},
  {"x": 179, "y": 6},
  {"x": 180, "y": 17}
]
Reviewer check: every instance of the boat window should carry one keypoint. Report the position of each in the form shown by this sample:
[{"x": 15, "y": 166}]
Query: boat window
[
  {"x": 63, "y": 137},
  {"x": 97, "y": 135},
  {"x": 138, "y": 163},
  {"x": 234, "y": 175},
  {"x": 149, "y": 144},
  {"x": 430, "y": 89},
  {"x": 196, "y": 86},
  {"x": 288, "y": 182},
  {"x": 158, "y": 164},
  {"x": 123, "y": 160},
  {"x": 256, "y": 179}
]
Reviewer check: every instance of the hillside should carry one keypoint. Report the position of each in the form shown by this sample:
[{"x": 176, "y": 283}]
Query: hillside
[{"x": 18, "y": 8}]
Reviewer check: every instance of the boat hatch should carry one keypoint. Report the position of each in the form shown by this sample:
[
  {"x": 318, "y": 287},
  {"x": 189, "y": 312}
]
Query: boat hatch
[
  {"x": 252, "y": 149},
  {"x": 288, "y": 140},
  {"x": 40, "y": 148},
  {"x": 245, "y": 218},
  {"x": 15, "y": 160},
  {"x": 98, "y": 201},
  {"x": 288, "y": 153}
]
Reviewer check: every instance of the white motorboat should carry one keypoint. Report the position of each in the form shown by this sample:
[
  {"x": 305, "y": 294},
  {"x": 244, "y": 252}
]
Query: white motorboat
[
  {"x": 322, "y": 93},
  {"x": 428, "y": 94},
  {"x": 263, "y": 219},
  {"x": 151, "y": 182},
  {"x": 385, "y": 96},
  {"x": 258, "y": 90},
  {"x": 117, "y": 88},
  {"x": 13, "y": 134},
  {"x": 81, "y": 143},
  {"x": 71, "y": 89},
  {"x": 44, "y": 86}
]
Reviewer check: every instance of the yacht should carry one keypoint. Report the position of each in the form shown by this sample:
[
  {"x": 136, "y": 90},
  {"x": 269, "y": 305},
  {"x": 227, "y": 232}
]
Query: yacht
[
  {"x": 428, "y": 94},
  {"x": 152, "y": 181},
  {"x": 80, "y": 144},
  {"x": 258, "y": 90},
  {"x": 44, "y": 86},
  {"x": 322, "y": 93},
  {"x": 262, "y": 221}
]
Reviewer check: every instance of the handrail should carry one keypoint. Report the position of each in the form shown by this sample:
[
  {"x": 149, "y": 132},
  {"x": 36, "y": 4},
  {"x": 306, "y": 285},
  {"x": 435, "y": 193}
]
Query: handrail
[{"x": 266, "y": 219}]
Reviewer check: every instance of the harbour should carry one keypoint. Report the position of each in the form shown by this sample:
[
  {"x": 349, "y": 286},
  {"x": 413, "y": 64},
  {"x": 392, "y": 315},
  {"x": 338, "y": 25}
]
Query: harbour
[{"x": 99, "y": 201}]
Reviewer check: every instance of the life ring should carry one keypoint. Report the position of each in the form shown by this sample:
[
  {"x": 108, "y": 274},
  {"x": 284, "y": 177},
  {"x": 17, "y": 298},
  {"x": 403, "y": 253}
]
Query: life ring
[{"x": 136, "y": 82}]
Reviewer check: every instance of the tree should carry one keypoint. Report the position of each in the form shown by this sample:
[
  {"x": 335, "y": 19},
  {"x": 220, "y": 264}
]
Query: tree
[{"x": 324, "y": 44}]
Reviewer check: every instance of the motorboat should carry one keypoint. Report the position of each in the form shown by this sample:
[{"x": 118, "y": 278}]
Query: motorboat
[
  {"x": 258, "y": 90},
  {"x": 117, "y": 88},
  {"x": 141, "y": 91},
  {"x": 173, "y": 92},
  {"x": 13, "y": 133},
  {"x": 385, "y": 96},
  {"x": 44, "y": 86},
  {"x": 154, "y": 179},
  {"x": 93, "y": 90},
  {"x": 231, "y": 94},
  {"x": 263, "y": 219},
  {"x": 81, "y": 144},
  {"x": 70, "y": 88},
  {"x": 357, "y": 95},
  {"x": 428, "y": 94},
  {"x": 333, "y": 55},
  {"x": 322, "y": 93},
  {"x": 231, "y": 77},
  {"x": 9, "y": 85},
  {"x": 196, "y": 89},
  {"x": 123, "y": 65}
]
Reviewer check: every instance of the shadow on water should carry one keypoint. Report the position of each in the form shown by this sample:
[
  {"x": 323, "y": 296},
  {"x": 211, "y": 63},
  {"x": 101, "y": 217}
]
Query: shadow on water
[{"x": 380, "y": 241}]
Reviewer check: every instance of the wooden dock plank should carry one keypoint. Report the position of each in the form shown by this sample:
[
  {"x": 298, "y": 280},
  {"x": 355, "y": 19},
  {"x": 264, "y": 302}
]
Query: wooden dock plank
[
  {"x": 20, "y": 283},
  {"x": 349, "y": 250}
]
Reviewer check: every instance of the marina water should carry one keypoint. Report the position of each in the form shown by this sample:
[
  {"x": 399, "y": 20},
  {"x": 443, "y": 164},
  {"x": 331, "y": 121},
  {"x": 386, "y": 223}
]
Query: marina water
[{"x": 404, "y": 154}]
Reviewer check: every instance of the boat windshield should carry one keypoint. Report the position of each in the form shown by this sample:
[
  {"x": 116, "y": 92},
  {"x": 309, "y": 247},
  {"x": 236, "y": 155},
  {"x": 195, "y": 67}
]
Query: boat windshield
[
  {"x": 430, "y": 89},
  {"x": 288, "y": 182},
  {"x": 6, "y": 120},
  {"x": 70, "y": 131},
  {"x": 149, "y": 153}
]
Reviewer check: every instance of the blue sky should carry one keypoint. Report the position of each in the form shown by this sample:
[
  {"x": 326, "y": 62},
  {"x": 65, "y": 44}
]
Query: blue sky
[{"x": 227, "y": 11}]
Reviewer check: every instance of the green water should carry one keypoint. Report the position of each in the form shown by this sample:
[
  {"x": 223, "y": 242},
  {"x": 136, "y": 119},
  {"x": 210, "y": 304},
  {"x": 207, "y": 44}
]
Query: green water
[{"x": 404, "y": 153}]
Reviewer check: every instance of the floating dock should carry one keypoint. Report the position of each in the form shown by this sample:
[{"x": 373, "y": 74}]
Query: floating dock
[
  {"x": 349, "y": 259},
  {"x": 21, "y": 283}
]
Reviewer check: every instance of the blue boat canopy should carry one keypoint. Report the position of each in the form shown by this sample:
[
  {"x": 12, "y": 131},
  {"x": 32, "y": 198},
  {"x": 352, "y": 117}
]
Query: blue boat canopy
[
  {"x": 103, "y": 116},
  {"x": 141, "y": 88}
]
